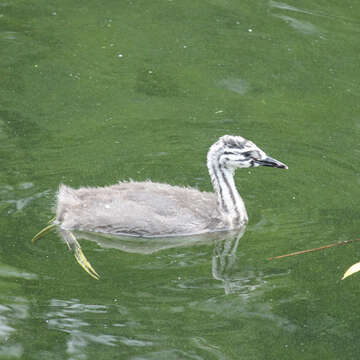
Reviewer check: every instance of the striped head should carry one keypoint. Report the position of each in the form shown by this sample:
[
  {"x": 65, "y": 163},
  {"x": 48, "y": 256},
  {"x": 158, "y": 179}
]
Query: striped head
[{"x": 232, "y": 152}]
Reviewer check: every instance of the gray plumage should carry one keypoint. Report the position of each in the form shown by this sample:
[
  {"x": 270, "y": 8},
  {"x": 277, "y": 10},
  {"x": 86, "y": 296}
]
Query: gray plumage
[
  {"x": 138, "y": 208},
  {"x": 153, "y": 209}
]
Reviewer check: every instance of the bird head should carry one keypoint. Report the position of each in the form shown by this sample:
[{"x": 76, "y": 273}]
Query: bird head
[{"x": 234, "y": 152}]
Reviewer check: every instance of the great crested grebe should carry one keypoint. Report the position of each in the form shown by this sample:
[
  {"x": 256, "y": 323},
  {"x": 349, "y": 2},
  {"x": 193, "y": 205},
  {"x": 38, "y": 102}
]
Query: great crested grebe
[{"x": 149, "y": 209}]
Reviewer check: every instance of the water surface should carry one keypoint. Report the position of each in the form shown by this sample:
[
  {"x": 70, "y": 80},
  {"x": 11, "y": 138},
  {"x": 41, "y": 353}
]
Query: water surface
[{"x": 95, "y": 92}]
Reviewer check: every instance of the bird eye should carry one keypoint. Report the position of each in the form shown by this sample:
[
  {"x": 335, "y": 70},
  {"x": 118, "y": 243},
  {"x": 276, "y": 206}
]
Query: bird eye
[
  {"x": 247, "y": 153},
  {"x": 253, "y": 154}
]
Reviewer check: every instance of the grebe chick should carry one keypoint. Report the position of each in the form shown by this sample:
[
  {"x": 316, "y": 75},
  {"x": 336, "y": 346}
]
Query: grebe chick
[{"x": 149, "y": 209}]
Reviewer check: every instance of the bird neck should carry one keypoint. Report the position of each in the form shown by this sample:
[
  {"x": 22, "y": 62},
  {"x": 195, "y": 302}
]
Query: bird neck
[{"x": 231, "y": 205}]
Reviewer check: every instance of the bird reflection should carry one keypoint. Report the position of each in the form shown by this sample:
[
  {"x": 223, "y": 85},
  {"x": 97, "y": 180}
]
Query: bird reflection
[{"x": 223, "y": 258}]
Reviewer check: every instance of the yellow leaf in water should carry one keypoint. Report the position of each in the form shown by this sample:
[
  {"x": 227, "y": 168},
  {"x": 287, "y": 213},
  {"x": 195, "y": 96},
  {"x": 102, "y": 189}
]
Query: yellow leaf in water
[{"x": 351, "y": 270}]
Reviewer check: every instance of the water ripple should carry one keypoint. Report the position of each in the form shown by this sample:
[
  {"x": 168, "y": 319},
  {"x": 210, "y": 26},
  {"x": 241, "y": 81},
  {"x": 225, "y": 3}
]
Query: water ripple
[
  {"x": 11, "y": 351},
  {"x": 68, "y": 316},
  {"x": 8, "y": 35},
  {"x": 239, "y": 86},
  {"x": 7, "y": 271},
  {"x": 18, "y": 197},
  {"x": 284, "y": 6},
  {"x": 12, "y": 310},
  {"x": 301, "y": 26}
]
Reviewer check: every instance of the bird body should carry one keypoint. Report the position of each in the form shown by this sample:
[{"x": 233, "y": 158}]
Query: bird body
[
  {"x": 152, "y": 209},
  {"x": 138, "y": 208}
]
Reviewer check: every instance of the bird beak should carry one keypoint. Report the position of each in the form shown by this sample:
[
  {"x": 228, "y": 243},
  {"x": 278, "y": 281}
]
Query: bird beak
[{"x": 272, "y": 162}]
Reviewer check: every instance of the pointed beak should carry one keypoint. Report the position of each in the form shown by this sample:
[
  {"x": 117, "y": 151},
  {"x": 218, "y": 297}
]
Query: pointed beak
[{"x": 272, "y": 162}]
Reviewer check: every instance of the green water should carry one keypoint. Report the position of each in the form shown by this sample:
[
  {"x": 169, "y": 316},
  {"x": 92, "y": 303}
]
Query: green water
[{"x": 95, "y": 92}]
